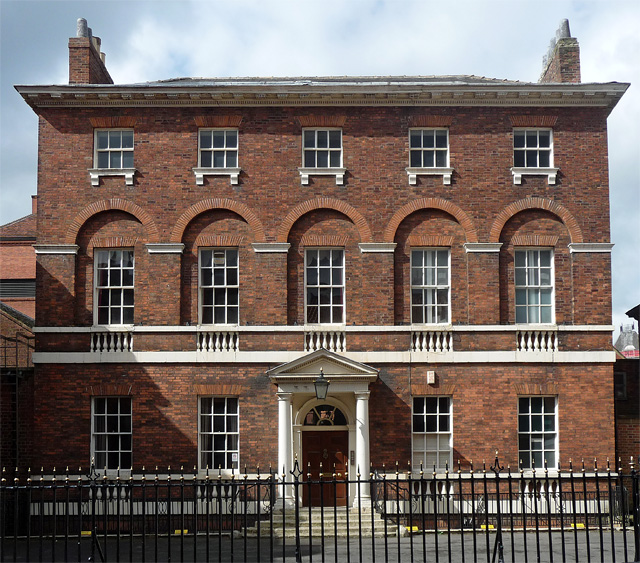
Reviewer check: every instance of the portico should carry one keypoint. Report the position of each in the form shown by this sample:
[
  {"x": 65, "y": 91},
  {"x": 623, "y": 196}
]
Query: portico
[{"x": 339, "y": 423}]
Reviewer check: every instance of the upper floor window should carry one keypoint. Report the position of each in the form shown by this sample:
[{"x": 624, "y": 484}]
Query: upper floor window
[
  {"x": 432, "y": 432},
  {"x": 114, "y": 148},
  {"x": 429, "y": 148},
  {"x": 430, "y": 286},
  {"x": 534, "y": 286},
  {"x": 533, "y": 154},
  {"x": 322, "y": 148},
  {"x": 111, "y": 433},
  {"x": 324, "y": 284},
  {"x": 537, "y": 432},
  {"x": 218, "y": 148},
  {"x": 322, "y": 154},
  {"x": 113, "y": 283},
  {"x": 219, "y": 433},
  {"x": 429, "y": 154},
  {"x": 219, "y": 286},
  {"x": 113, "y": 155},
  {"x": 532, "y": 148}
]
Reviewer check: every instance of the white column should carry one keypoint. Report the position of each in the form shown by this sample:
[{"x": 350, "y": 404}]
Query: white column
[
  {"x": 362, "y": 446},
  {"x": 285, "y": 447}
]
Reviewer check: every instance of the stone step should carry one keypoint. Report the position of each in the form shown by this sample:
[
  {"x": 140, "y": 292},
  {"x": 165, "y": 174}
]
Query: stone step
[{"x": 283, "y": 524}]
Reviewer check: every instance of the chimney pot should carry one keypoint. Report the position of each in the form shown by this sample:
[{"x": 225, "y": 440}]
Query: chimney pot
[
  {"x": 563, "y": 31},
  {"x": 82, "y": 30},
  {"x": 34, "y": 204}
]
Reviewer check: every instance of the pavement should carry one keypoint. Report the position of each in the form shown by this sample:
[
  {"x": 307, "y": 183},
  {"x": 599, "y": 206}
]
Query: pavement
[{"x": 430, "y": 547}]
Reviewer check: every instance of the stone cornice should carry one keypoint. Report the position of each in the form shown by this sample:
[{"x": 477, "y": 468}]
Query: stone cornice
[{"x": 276, "y": 93}]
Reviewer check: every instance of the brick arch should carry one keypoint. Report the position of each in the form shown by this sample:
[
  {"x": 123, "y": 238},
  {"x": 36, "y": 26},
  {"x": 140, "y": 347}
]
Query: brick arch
[
  {"x": 536, "y": 203},
  {"x": 430, "y": 203},
  {"x": 218, "y": 203},
  {"x": 324, "y": 203},
  {"x": 107, "y": 205}
]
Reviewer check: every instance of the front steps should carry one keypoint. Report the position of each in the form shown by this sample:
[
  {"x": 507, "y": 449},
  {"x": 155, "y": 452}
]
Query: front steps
[{"x": 370, "y": 524}]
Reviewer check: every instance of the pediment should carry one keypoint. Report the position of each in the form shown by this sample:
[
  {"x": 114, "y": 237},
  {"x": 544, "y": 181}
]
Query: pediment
[{"x": 333, "y": 365}]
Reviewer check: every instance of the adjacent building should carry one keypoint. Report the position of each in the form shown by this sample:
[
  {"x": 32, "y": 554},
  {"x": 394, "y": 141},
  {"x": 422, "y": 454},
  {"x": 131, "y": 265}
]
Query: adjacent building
[{"x": 437, "y": 247}]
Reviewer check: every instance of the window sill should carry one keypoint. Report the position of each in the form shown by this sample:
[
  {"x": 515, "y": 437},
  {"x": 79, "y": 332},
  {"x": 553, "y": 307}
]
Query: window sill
[
  {"x": 550, "y": 173},
  {"x": 413, "y": 174},
  {"x": 96, "y": 173},
  {"x": 337, "y": 172},
  {"x": 233, "y": 173}
]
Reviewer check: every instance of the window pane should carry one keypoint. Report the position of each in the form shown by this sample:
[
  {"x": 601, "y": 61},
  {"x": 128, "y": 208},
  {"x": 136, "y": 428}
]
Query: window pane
[
  {"x": 218, "y": 139},
  {"x": 518, "y": 139},
  {"x": 205, "y": 140},
  {"x": 415, "y": 159},
  {"x": 441, "y": 139},
  {"x": 218, "y": 159},
  {"x": 544, "y": 160},
  {"x": 335, "y": 139},
  {"x": 544, "y": 138},
  {"x": 415, "y": 139},
  {"x": 309, "y": 139},
  {"x": 519, "y": 159},
  {"x": 206, "y": 159},
  {"x": 232, "y": 139},
  {"x": 127, "y": 140},
  {"x": 115, "y": 139},
  {"x": 103, "y": 160},
  {"x": 102, "y": 138},
  {"x": 322, "y": 159}
]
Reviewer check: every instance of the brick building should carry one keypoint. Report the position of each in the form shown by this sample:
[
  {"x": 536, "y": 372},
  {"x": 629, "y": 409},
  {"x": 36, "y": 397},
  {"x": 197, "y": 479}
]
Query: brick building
[
  {"x": 437, "y": 247},
  {"x": 17, "y": 312},
  {"x": 18, "y": 263}
]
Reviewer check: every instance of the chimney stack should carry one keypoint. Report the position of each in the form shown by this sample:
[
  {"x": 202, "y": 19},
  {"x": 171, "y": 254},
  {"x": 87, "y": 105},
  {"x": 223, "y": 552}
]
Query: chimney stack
[
  {"x": 562, "y": 62},
  {"x": 34, "y": 204},
  {"x": 86, "y": 62}
]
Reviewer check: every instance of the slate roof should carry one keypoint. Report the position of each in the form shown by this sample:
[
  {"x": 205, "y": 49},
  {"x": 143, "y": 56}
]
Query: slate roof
[{"x": 24, "y": 228}]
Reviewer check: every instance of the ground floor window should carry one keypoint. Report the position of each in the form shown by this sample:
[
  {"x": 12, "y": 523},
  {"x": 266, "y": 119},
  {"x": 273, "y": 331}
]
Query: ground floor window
[
  {"x": 431, "y": 432},
  {"x": 219, "y": 433},
  {"x": 111, "y": 432},
  {"x": 537, "y": 432}
]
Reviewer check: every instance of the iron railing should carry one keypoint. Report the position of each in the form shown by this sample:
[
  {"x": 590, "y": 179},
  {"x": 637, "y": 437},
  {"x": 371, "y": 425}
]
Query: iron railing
[{"x": 404, "y": 514}]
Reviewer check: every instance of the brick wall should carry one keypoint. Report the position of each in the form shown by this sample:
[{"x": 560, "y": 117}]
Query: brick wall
[
  {"x": 375, "y": 154},
  {"x": 165, "y": 405}
]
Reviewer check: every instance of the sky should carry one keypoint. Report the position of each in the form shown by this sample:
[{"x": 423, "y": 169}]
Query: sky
[{"x": 148, "y": 40}]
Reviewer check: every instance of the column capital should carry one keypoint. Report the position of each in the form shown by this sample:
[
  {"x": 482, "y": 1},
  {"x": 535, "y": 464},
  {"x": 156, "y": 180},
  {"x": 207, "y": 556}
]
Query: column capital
[
  {"x": 282, "y": 396},
  {"x": 362, "y": 395}
]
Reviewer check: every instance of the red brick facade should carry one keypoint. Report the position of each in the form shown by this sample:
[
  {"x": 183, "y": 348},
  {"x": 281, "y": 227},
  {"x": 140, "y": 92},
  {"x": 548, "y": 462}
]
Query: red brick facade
[{"x": 376, "y": 216}]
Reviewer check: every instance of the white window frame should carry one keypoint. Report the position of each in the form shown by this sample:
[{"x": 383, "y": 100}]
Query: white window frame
[
  {"x": 534, "y": 170},
  {"x": 225, "y": 434},
  {"x": 337, "y": 171},
  {"x": 120, "y": 435},
  {"x": 541, "y": 445},
  {"x": 528, "y": 287},
  {"x": 225, "y": 286},
  {"x": 414, "y": 171},
  {"x": 443, "y": 455},
  {"x": 97, "y": 171},
  {"x": 437, "y": 287},
  {"x": 232, "y": 171},
  {"x": 97, "y": 287},
  {"x": 330, "y": 286}
]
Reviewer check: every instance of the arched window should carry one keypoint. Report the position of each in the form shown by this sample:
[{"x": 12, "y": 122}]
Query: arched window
[{"x": 325, "y": 415}]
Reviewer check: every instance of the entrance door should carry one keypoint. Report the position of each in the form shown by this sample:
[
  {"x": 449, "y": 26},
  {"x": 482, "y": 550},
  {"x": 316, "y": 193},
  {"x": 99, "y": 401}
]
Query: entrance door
[{"x": 329, "y": 448}]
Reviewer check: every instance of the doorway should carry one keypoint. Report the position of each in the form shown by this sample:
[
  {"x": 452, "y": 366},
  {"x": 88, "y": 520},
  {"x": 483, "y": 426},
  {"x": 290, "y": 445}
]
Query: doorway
[{"x": 331, "y": 449}]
